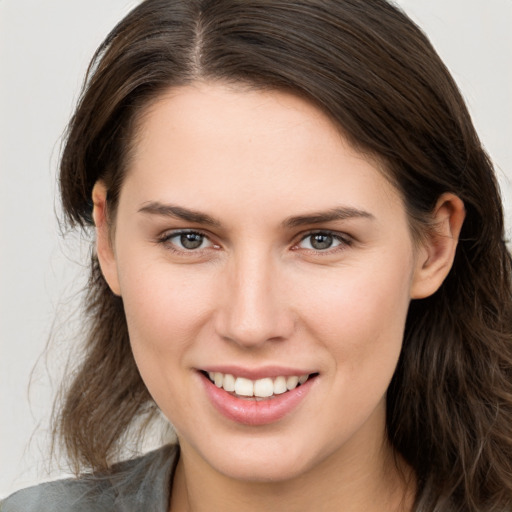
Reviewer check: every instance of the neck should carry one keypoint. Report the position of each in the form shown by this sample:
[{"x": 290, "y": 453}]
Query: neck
[{"x": 379, "y": 481}]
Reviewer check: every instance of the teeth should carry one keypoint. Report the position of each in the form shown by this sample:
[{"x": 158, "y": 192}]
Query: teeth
[
  {"x": 261, "y": 388},
  {"x": 291, "y": 382},
  {"x": 280, "y": 385},
  {"x": 229, "y": 382},
  {"x": 218, "y": 379},
  {"x": 244, "y": 387}
]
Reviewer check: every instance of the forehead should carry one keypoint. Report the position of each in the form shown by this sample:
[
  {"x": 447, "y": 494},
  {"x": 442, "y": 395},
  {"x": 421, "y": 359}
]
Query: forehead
[
  {"x": 235, "y": 112},
  {"x": 212, "y": 142}
]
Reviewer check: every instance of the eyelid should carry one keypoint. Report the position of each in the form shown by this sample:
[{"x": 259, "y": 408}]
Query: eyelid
[
  {"x": 345, "y": 240},
  {"x": 165, "y": 237}
]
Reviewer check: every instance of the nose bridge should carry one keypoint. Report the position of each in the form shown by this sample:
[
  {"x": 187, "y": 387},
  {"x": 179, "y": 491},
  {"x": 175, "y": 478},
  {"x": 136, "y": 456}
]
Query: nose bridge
[{"x": 255, "y": 310}]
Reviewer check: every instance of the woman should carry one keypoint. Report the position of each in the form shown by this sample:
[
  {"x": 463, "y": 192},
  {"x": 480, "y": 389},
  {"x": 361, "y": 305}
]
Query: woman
[{"x": 299, "y": 262}]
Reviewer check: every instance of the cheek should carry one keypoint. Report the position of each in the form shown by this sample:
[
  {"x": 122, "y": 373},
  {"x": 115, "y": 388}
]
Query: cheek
[
  {"x": 360, "y": 325},
  {"x": 360, "y": 316},
  {"x": 166, "y": 307}
]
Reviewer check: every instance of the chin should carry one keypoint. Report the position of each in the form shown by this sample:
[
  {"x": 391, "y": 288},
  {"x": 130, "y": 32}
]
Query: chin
[
  {"x": 261, "y": 472},
  {"x": 264, "y": 464}
]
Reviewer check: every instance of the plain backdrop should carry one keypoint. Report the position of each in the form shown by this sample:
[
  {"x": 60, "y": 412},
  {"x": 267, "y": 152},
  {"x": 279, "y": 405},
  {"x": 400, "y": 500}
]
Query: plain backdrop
[{"x": 45, "y": 46}]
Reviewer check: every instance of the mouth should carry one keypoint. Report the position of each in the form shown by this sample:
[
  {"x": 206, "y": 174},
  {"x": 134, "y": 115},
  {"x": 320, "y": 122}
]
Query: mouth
[
  {"x": 258, "y": 396},
  {"x": 260, "y": 389}
]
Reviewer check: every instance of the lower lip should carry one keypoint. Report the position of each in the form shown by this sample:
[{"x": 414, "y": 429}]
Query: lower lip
[{"x": 255, "y": 412}]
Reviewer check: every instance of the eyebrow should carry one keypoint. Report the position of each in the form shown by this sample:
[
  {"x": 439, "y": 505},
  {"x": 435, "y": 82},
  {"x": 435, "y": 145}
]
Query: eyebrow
[
  {"x": 333, "y": 214},
  {"x": 189, "y": 215},
  {"x": 178, "y": 212}
]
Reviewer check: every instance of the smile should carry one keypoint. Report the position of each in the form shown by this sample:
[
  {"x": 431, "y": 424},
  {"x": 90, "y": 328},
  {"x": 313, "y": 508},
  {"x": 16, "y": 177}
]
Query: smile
[
  {"x": 256, "y": 402},
  {"x": 261, "y": 388}
]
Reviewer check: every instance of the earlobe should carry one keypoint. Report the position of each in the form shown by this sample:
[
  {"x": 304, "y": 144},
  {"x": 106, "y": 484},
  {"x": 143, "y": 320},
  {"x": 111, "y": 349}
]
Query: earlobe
[
  {"x": 437, "y": 252},
  {"x": 104, "y": 249}
]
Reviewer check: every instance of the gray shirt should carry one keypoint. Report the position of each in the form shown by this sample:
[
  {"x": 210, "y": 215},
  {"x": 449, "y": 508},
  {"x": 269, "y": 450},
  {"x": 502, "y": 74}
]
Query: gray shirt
[{"x": 142, "y": 484}]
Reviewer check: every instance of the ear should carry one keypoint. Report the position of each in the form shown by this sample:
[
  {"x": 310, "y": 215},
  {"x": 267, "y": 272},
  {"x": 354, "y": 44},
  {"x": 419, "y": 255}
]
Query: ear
[
  {"x": 104, "y": 249},
  {"x": 437, "y": 252}
]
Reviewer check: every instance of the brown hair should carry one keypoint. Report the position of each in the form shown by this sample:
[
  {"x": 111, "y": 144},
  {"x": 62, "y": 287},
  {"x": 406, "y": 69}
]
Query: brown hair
[{"x": 449, "y": 406}]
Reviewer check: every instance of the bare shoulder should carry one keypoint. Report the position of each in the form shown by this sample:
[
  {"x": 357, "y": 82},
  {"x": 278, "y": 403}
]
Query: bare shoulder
[{"x": 138, "y": 484}]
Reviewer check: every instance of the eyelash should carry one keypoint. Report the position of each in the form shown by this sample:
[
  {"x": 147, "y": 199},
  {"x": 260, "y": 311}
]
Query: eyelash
[
  {"x": 343, "y": 239},
  {"x": 166, "y": 238}
]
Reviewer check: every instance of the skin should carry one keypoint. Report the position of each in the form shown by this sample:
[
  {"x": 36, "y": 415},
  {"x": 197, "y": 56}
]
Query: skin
[{"x": 257, "y": 293}]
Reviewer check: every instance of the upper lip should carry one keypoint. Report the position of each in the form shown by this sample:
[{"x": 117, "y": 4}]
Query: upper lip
[{"x": 257, "y": 373}]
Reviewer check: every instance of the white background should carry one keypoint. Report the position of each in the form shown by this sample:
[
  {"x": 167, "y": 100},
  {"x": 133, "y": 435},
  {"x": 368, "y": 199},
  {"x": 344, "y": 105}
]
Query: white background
[{"x": 45, "y": 46}]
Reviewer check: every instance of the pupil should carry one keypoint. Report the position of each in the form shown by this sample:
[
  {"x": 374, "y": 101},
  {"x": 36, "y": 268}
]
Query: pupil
[
  {"x": 191, "y": 240},
  {"x": 321, "y": 241}
]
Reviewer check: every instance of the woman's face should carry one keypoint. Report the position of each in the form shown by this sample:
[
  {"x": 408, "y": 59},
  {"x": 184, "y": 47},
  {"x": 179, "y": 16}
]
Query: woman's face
[{"x": 254, "y": 246}]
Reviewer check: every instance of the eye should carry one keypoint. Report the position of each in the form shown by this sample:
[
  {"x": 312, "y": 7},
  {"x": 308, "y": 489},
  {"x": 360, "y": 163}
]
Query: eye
[
  {"x": 322, "y": 241},
  {"x": 187, "y": 240}
]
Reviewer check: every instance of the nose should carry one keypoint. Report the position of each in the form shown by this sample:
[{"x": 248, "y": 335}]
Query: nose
[{"x": 255, "y": 309}]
